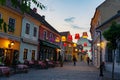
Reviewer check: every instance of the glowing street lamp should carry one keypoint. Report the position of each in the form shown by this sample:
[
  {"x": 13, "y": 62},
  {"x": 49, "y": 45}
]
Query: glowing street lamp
[
  {"x": 76, "y": 50},
  {"x": 98, "y": 44},
  {"x": 11, "y": 44}
]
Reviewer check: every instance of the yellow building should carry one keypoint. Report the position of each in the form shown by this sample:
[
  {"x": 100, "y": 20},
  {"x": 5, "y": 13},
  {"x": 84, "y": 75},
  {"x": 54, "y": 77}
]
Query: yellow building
[{"x": 10, "y": 34}]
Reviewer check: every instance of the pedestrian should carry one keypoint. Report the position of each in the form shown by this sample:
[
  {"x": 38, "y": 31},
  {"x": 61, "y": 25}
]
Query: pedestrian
[
  {"x": 102, "y": 65},
  {"x": 74, "y": 60},
  {"x": 61, "y": 61},
  {"x": 46, "y": 62},
  {"x": 88, "y": 60},
  {"x": 81, "y": 58}
]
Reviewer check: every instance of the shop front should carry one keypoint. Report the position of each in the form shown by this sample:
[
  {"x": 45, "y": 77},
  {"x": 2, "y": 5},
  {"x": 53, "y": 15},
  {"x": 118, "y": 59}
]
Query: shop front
[
  {"x": 9, "y": 50},
  {"x": 48, "y": 50}
]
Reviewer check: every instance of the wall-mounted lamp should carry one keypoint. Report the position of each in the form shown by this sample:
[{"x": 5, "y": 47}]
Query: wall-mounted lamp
[
  {"x": 98, "y": 44},
  {"x": 11, "y": 44},
  {"x": 76, "y": 49}
]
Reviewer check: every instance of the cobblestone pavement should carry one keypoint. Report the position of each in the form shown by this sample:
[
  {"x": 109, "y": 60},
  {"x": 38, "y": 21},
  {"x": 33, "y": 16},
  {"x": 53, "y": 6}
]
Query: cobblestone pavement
[
  {"x": 68, "y": 72},
  {"x": 108, "y": 76}
]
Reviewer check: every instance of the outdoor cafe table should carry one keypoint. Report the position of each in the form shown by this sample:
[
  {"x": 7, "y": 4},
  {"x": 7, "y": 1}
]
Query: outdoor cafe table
[{"x": 5, "y": 70}]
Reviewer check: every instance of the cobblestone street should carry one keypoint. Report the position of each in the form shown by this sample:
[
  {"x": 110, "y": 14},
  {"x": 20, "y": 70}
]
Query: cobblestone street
[{"x": 68, "y": 72}]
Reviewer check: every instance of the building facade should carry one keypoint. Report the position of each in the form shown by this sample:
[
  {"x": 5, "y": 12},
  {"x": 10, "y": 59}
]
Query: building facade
[
  {"x": 108, "y": 57},
  {"x": 67, "y": 46},
  {"x": 29, "y": 36},
  {"x": 101, "y": 16},
  {"x": 48, "y": 47},
  {"x": 10, "y": 31},
  {"x": 84, "y": 47}
]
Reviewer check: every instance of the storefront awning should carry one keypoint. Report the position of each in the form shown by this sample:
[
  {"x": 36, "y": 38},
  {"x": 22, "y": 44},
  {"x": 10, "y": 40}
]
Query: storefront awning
[{"x": 45, "y": 43}]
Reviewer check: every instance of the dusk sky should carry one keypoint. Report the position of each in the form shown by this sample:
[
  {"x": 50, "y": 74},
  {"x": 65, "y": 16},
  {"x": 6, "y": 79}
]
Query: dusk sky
[{"x": 70, "y": 15}]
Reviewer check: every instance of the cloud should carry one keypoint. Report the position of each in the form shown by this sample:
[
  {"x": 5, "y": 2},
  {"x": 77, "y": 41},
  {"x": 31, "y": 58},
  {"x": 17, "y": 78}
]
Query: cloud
[
  {"x": 70, "y": 19},
  {"x": 74, "y": 25},
  {"x": 77, "y": 27}
]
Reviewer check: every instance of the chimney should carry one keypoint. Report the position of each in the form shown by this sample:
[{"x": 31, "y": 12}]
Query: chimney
[
  {"x": 43, "y": 16},
  {"x": 35, "y": 10},
  {"x": 118, "y": 11}
]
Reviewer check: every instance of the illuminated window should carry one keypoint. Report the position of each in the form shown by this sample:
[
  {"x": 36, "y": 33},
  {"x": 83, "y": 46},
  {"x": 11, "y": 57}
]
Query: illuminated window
[
  {"x": 33, "y": 55},
  {"x": 25, "y": 53}
]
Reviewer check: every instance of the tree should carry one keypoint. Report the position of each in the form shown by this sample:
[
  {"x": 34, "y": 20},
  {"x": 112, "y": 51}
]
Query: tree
[
  {"x": 23, "y": 5},
  {"x": 111, "y": 35}
]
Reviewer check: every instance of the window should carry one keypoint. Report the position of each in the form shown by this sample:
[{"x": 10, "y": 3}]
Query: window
[
  {"x": 118, "y": 55},
  {"x": 0, "y": 21},
  {"x": 35, "y": 32},
  {"x": 0, "y": 15},
  {"x": 33, "y": 55},
  {"x": 51, "y": 35},
  {"x": 108, "y": 55},
  {"x": 11, "y": 26},
  {"x": 45, "y": 35},
  {"x": 25, "y": 53},
  {"x": 27, "y": 30},
  {"x": 1, "y": 52}
]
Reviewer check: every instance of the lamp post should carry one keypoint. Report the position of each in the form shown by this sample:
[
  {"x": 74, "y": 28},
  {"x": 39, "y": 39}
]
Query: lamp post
[{"x": 101, "y": 64}]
